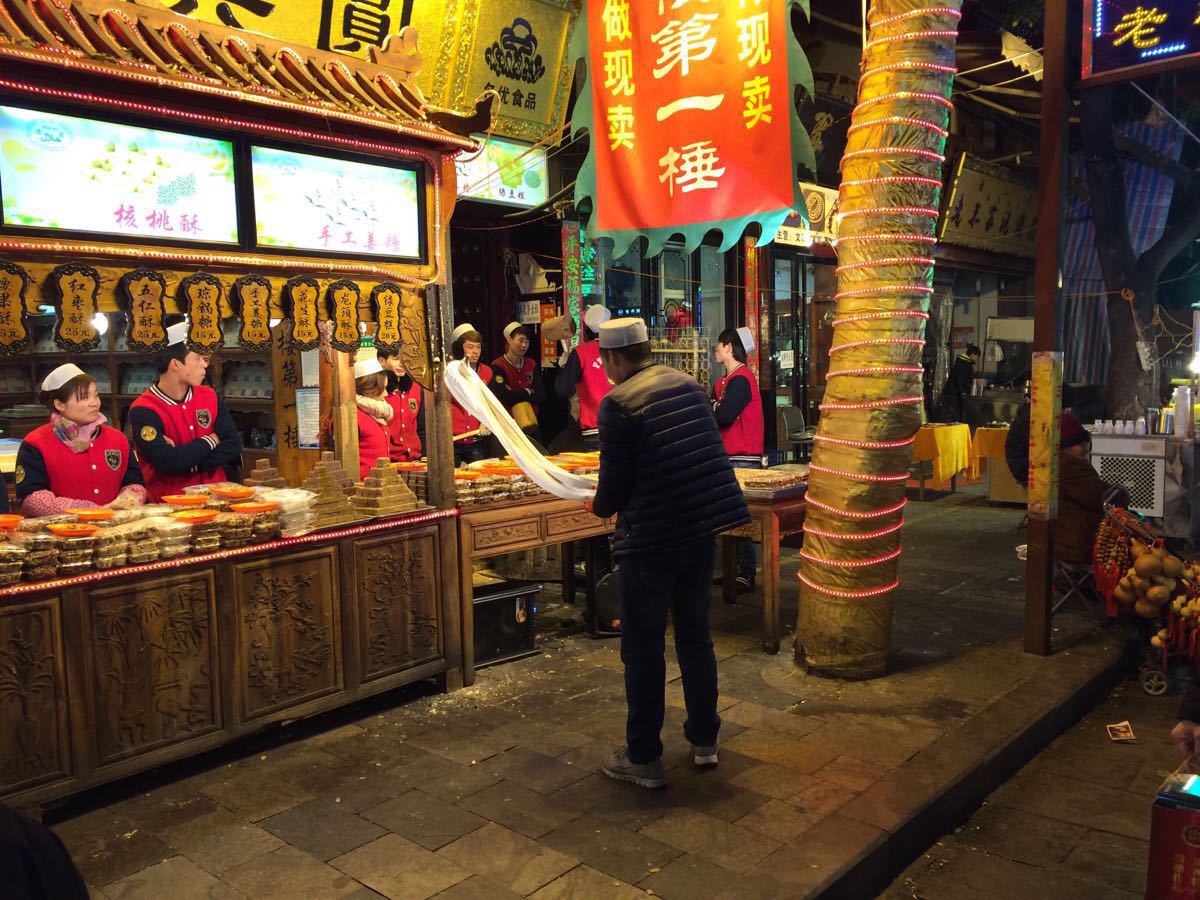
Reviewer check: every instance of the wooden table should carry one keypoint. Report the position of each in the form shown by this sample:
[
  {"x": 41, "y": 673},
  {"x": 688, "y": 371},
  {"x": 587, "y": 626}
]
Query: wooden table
[
  {"x": 773, "y": 518},
  {"x": 948, "y": 450},
  {"x": 987, "y": 451},
  {"x": 492, "y": 529}
]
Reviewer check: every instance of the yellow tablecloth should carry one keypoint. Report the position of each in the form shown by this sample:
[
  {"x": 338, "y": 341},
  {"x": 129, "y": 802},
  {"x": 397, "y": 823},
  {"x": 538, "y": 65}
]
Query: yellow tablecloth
[
  {"x": 988, "y": 443},
  {"x": 948, "y": 447}
]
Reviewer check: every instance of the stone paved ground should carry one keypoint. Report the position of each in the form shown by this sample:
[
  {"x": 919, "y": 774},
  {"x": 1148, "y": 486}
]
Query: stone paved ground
[
  {"x": 1073, "y": 823},
  {"x": 493, "y": 791}
]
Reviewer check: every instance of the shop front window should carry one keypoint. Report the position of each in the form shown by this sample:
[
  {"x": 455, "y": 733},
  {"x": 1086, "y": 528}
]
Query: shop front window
[{"x": 622, "y": 281}]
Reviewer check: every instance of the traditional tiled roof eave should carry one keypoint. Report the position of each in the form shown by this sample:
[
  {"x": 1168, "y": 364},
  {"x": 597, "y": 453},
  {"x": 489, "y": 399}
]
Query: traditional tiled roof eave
[{"x": 149, "y": 46}]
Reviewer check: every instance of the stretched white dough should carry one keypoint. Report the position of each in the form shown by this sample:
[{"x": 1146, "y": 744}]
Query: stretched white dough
[{"x": 470, "y": 391}]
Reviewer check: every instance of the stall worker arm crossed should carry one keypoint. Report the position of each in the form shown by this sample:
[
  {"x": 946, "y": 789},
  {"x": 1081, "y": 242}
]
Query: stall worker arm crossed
[
  {"x": 183, "y": 432},
  {"x": 75, "y": 460}
]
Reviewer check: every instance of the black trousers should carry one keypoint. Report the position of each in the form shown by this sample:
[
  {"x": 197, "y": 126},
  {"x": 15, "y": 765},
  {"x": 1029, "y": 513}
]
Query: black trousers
[{"x": 678, "y": 581}]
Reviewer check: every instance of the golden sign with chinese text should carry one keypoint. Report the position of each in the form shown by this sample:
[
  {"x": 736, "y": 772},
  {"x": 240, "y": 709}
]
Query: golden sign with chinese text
[
  {"x": 385, "y": 301},
  {"x": 821, "y": 205},
  {"x": 14, "y": 328},
  {"x": 301, "y": 302},
  {"x": 251, "y": 297},
  {"x": 76, "y": 286},
  {"x": 143, "y": 292},
  {"x": 990, "y": 208},
  {"x": 200, "y": 295},
  {"x": 343, "y": 300}
]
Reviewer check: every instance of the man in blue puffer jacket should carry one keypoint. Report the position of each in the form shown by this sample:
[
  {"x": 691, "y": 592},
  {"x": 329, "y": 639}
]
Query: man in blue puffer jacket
[{"x": 665, "y": 473}]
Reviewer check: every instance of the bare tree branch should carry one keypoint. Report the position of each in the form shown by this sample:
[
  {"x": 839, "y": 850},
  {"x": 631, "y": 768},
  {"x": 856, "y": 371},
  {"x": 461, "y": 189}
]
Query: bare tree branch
[
  {"x": 1106, "y": 187},
  {"x": 1182, "y": 232},
  {"x": 1150, "y": 157}
]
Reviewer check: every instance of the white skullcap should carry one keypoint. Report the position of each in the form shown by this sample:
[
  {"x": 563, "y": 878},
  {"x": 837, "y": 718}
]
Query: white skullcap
[
  {"x": 460, "y": 330},
  {"x": 177, "y": 334},
  {"x": 623, "y": 333},
  {"x": 747, "y": 338},
  {"x": 61, "y": 376},
  {"x": 367, "y": 364},
  {"x": 510, "y": 328},
  {"x": 596, "y": 315}
]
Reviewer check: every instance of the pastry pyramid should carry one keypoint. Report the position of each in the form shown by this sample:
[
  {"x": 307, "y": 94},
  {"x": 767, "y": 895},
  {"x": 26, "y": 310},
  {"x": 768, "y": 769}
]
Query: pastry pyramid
[{"x": 383, "y": 492}]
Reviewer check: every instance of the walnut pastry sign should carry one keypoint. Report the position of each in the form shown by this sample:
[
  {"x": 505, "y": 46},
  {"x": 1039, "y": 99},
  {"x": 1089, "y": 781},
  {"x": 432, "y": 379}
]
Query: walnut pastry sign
[
  {"x": 385, "y": 301},
  {"x": 14, "y": 328},
  {"x": 76, "y": 286},
  {"x": 251, "y": 298},
  {"x": 200, "y": 294},
  {"x": 142, "y": 292}
]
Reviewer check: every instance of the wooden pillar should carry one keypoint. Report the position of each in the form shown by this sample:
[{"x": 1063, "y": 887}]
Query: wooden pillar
[
  {"x": 340, "y": 371},
  {"x": 439, "y": 433},
  {"x": 1046, "y": 401}
]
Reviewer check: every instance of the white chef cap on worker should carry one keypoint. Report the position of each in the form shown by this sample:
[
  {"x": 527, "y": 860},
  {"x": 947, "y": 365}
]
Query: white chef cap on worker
[
  {"x": 596, "y": 315},
  {"x": 623, "y": 333},
  {"x": 460, "y": 330},
  {"x": 61, "y": 376},
  {"x": 177, "y": 334},
  {"x": 747, "y": 338},
  {"x": 510, "y": 328}
]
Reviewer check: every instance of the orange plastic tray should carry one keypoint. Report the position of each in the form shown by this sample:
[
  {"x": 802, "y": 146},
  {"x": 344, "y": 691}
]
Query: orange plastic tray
[
  {"x": 233, "y": 493},
  {"x": 73, "y": 529},
  {"x": 9, "y": 520},
  {"x": 92, "y": 515},
  {"x": 186, "y": 499},
  {"x": 194, "y": 516},
  {"x": 260, "y": 506}
]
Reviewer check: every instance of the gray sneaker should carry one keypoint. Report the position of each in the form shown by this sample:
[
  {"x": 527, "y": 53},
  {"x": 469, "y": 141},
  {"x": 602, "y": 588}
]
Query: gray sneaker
[
  {"x": 647, "y": 775},
  {"x": 705, "y": 757}
]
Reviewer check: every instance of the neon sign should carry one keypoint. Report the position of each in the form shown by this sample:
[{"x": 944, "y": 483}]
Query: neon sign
[{"x": 1125, "y": 34}]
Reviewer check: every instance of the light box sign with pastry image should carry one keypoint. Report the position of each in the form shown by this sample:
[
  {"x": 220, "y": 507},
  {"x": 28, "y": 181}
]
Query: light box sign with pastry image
[
  {"x": 66, "y": 173},
  {"x": 504, "y": 172},
  {"x": 328, "y": 205}
]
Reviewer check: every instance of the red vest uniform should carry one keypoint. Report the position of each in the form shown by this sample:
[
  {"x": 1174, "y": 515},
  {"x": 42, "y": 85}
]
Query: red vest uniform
[
  {"x": 517, "y": 380},
  {"x": 94, "y": 475},
  {"x": 745, "y": 436},
  {"x": 372, "y": 443},
  {"x": 593, "y": 384},
  {"x": 461, "y": 420},
  {"x": 405, "y": 442},
  {"x": 183, "y": 423}
]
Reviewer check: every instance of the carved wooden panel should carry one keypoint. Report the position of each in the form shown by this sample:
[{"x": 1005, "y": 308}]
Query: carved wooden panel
[
  {"x": 398, "y": 599},
  {"x": 288, "y": 612},
  {"x": 154, "y": 665},
  {"x": 34, "y": 743},
  {"x": 563, "y": 525},
  {"x": 496, "y": 536},
  {"x": 751, "y": 530}
]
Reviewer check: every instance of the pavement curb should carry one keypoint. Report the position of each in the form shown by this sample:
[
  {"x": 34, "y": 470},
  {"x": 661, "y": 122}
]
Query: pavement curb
[{"x": 914, "y": 805}]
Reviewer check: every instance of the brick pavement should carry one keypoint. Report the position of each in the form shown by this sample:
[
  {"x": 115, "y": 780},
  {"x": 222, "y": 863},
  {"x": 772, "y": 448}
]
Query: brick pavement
[{"x": 494, "y": 791}]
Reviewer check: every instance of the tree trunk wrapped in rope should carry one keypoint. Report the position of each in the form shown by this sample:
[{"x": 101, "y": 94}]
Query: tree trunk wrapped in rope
[{"x": 891, "y": 179}]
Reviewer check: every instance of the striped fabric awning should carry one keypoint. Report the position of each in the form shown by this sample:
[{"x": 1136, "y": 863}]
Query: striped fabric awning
[{"x": 1083, "y": 315}]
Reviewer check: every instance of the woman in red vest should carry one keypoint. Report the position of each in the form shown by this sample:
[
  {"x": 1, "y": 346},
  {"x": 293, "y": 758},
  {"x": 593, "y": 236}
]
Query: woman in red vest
[
  {"x": 468, "y": 345},
  {"x": 76, "y": 460},
  {"x": 584, "y": 375},
  {"x": 374, "y": 413},
  {"x": 406, "y": 431},
  {"x": 737, "y": 405},
  {"x": 516, "y": 381}
]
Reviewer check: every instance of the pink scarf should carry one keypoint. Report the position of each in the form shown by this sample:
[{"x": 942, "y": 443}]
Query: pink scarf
[{"x": 77, "y": 437}]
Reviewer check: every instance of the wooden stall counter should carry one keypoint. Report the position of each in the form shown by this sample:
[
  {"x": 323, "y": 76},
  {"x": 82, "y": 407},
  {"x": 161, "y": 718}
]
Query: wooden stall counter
[{"x": 111, "y": 673}]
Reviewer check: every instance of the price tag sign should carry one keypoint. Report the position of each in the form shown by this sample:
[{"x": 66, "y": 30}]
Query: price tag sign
[
  {"x": 301, "y": 297},
  {"x": 14, "y": 328},
  {"x": 76, "y": 286},
  {"x": 143, "y": 291},
  {"x": 386, "y": 299},
  {"x": 252, "y": 300},
  {"x": 343, "y": 298},
  {"x": 201, "y": 296}
]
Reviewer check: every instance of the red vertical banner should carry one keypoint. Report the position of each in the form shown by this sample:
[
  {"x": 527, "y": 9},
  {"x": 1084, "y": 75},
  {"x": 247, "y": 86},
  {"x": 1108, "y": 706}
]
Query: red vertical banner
[
  {"x": 751, "y": 303},
  {"x": 572, "y": 257},
  {"x": 692, "y": 112}
]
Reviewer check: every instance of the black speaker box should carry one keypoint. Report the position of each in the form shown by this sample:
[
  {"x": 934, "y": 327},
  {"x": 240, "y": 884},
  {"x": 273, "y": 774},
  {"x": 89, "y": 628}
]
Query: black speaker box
[{"x": 505, "y": 622}]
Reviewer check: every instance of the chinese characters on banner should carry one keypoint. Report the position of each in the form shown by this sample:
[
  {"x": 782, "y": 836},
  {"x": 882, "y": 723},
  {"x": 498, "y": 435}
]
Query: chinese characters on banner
[
  {"x": 750, "y": 275},
  {"x": 200, "y": 295},
  {"x": 76, "y": 286},
  {"x": 1119, "y": 34},
  {"x": 301, "y": 297},
  {"x": 550, "y": 349},
  {"x": 343, "y": 298},
  {"x": 692, "y": 106},
  {"x": 572, "y": 276},
  {"x": 14, "y": 328},
  {"x": 143, "y": 291},
  {"x": 252, "y": 300},
  {"x": 385, "y": 300}
]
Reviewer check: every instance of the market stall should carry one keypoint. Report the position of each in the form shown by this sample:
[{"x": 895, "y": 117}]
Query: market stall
[
  {"x": 286, "y": 201},
  {"x": 987, "y": 456}
]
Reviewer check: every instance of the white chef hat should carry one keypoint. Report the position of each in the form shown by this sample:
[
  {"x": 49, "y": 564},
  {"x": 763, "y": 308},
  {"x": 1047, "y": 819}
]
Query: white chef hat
[
  {"x": 460, "y": 330},
  {"x": 510, "y": 328},
  {"x": 366, "y": 364},
  {"x": 177, "y": 334},
  {"x": 596, "y": 315},
  {"x": 747, "y": 338},
  {"x": 61, "y": 376},
  {"x": 623, "y": 333}
]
